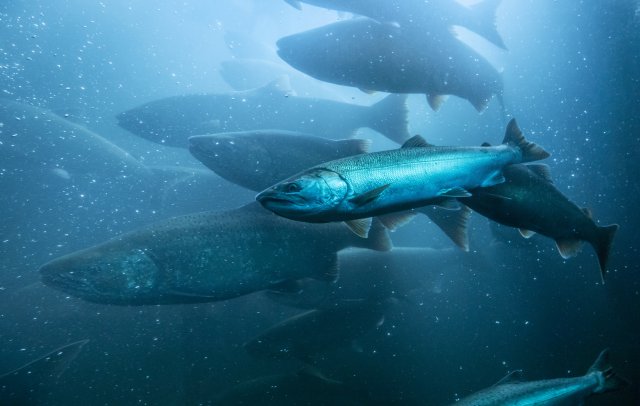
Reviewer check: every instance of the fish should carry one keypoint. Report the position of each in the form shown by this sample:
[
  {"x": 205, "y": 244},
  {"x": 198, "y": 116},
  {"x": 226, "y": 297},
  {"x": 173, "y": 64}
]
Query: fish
[
  {"x": 600, "y": 378},
  {"x": 171, "y": 121},
  {"x": 319, "y": 330},
  {"x": 437, "y": 15},
  {"x": 529, "y": 201},
  {"x": 396, "y": 274},
  {"x": 258, "y": 159},
  {"x": 305, "y": 386},
  {"x": 204, "y": 257},
  {"x": 356, "y": 188},
  {"x": 24, "y": 385},
  {"x": 32, "y": 136},
  {"x": 374, "y": 56}
]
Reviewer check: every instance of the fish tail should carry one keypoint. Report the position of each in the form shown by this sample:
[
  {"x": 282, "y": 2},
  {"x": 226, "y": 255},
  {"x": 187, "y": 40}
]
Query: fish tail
[
  {"x": 529, "y": 150},
  {"x": 378, "y": 238},
  {"x": 602, "y": 245},
  {"x": 389, "y": 117},
  {"x": 611, "y": 380},
  {"x": 485, "y": 12}
]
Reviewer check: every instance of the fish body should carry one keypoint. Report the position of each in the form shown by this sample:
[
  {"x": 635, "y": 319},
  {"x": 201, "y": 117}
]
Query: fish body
[
  {"x": 438, "y": 15},
  {"x": 306, "y": 386},
  {"x": 43, "y": 139},
  {"x": 377, "y": 183},
  {"x": 28, "y": 385},
  {"x": 319, "y": 330},
  {"x": 203, "y": 257},
  {"x": 171, "y": 121},
  {"x": 258, "y": 159},
  {"x": 563, "y": 391},
  {"x": 529, "y": 201},
  {"x": 375, "y": 56}
]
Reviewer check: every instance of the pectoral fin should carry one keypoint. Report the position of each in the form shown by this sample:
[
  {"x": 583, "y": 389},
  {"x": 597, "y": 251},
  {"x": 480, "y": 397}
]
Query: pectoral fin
[
  {"x": 494, "y": 179},
  {"x": 369, "y": 196},
  {"x": 360, "y": 227}
]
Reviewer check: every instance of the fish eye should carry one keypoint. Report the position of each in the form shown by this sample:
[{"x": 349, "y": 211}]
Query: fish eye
[{"x": 292, "y": 187}]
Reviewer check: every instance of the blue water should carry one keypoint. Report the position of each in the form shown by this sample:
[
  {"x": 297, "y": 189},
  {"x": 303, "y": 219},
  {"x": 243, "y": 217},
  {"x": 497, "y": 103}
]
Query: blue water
[{"x": 571, "y": 78}]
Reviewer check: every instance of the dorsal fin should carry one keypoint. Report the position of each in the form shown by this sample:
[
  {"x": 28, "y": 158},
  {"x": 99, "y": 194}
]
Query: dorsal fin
[
  {"x": 485, "y": 144},
  {"x": 416, "y": 142},
  {"x": 511, "y": 377},
  {"x": 541, "y": 170}
]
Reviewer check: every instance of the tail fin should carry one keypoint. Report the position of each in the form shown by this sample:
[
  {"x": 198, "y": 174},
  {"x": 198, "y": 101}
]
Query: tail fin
[
  {"x": 611, "y": 381},
  {"x": 485, "y": 16},
  {"x": 530, "y": 151},
  {"x": 378, "y": 238},
  {"x": 389, "y": 117},
  {"x": 602, "y": 245},
  {"x": 452, "y": 222}
]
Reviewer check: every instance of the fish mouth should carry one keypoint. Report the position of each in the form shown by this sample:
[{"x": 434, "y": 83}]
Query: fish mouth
[{"x": 266, "y": 199}]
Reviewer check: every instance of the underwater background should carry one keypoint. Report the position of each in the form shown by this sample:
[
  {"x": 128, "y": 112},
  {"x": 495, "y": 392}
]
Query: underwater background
[{"x": 571, "y": 78}]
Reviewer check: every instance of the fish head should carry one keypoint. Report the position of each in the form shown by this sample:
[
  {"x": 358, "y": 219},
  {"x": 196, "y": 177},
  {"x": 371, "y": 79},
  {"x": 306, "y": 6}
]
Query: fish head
[
  {"x": 307, "y": 196},
  {"x": 104, "y": 275}
]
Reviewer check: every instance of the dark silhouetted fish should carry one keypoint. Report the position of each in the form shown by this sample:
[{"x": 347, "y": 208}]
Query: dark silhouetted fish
[
  {"x": 25, "y": 385},
  {"x": 38, "y": 137},
  {"x": 398, "y": 273},
  {"x": 304, "y": 387},
  {"x": 172, "y": 120},
  {"x": 600, "y": 378},
  {"x": 204, "y": 257},
  {"x": 529, "y": 201},
  {"x": 416, "y": 175},
  {"x": 319, "y": 330},
  {"x": 434, "y": 15},
  {"x": 258, "y": 159},
  {"x": 369, "y": 55}
]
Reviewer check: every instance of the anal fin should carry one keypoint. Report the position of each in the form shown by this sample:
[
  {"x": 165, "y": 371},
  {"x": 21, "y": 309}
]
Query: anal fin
[
  {"x": 360, "y": 227},
  {"x": 393, "y": 221},
  {"x": 455, "y": 192},
  {"x": 569, "y": 248}
]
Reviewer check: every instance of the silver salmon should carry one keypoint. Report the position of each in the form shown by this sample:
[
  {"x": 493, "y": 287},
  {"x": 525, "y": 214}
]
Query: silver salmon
[{"x": 354, "y": 189}]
